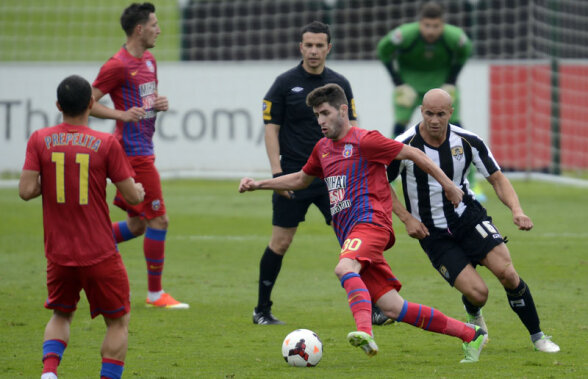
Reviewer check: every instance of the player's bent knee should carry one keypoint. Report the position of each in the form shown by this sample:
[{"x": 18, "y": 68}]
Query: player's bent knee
[
  {"x": 137, "y": 226},
  {"x": 159, "y": 222},
  {"x": 509, "y": 278},
  {"x": 478, "y": 297}
]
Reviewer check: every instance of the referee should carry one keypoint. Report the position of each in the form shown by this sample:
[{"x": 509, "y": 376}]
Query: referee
[{"x": 291, "y": 131}]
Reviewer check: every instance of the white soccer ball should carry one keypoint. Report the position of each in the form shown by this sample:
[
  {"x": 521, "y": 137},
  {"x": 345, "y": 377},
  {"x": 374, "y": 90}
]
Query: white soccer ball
[{"x": 302, "y": 348}]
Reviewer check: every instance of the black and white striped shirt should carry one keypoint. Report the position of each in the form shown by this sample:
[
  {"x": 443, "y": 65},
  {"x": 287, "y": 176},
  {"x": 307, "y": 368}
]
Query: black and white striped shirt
[{"x": 423, "y": 195}]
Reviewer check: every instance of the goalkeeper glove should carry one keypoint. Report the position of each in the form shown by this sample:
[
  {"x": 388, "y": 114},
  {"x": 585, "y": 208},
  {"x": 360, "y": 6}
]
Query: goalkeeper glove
[
  {"x": 451, "y": 90},
  {"x": 405, "y": 95}
]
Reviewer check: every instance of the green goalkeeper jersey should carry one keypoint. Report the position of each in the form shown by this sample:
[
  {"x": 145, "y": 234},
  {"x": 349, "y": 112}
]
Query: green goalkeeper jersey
[{"x": 422, "y": 65}]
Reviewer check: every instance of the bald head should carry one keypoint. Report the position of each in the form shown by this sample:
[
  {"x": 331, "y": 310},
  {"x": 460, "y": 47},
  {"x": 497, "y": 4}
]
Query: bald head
[
  {"x": 436, "y": 111},
  {"x": 437, "y": 97}
]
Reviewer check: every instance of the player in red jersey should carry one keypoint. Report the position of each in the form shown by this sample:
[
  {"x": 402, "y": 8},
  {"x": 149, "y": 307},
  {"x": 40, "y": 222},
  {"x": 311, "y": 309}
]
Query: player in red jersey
[
  {"x": 352, "y": 162},
  {"x": 68, "y": 165},
  {"x": 130, "y": 77}
]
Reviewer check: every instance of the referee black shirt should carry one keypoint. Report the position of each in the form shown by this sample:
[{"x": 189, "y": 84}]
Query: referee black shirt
[{"x": 285, "y": 105}]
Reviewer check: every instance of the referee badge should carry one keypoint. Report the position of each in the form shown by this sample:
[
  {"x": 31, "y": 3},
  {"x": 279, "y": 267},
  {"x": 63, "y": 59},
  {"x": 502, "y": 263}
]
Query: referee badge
[
  {"x": 457, "y": 152},
  {"x": 348, "y": 150}
]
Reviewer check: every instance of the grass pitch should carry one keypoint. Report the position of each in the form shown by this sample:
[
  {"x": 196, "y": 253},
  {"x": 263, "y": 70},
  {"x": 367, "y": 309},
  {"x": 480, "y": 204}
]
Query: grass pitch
[
  {"x": 77, "y": 30},
  {"x": 214, "y": 244}
]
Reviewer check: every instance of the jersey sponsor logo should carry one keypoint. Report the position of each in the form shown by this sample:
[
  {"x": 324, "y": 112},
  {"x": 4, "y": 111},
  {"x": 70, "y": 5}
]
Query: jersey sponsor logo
[
  {"x": 348, "y": 150},
  {"x": 340, "y": 206},
  {"x": 337, "y": 186},
  {"x": 147, "y": 89},
  {"x": 457, "y": 152},
  {"x": 156, "y": 205},
  {"x": 334, "y": 182},
  {"x": 267, "y": 109},
  {"x": 150, "y": 66},
  {"x": 297, "y": 89}
]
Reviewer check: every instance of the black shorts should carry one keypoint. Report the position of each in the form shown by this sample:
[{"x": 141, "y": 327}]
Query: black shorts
[
  {"x": 468, "y": 243},
  {"x": 288, "y": 213}
]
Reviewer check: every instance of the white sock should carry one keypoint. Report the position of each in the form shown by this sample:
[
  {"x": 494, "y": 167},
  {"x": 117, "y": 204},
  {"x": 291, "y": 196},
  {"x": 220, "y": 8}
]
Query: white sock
[{"x": 154, "y": 296}]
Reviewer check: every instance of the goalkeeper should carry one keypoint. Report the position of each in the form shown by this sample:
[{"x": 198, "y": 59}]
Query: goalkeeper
[{"x": 423, "y": 55}]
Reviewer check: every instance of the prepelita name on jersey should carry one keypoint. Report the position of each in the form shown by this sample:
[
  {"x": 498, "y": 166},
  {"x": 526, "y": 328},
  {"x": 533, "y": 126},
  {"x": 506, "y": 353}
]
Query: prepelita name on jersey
[{"x": 73, "y": 139}]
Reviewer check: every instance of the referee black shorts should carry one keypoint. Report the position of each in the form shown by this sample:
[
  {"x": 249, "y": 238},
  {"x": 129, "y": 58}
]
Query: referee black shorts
[
  {"x": 470, "y": 242},
  {"x": 288, "y": 213}
]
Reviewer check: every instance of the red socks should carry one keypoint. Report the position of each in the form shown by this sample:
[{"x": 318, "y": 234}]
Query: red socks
[
  {"x": 433, "y": 320},
  {"x": 154, "y": 249},
  {"x": 359, "y": 301}
]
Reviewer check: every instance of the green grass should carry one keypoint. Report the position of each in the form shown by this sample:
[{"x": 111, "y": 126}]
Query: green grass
[
  {"x": 215, "y": 240},
  {"x": 77, "y": 30}
]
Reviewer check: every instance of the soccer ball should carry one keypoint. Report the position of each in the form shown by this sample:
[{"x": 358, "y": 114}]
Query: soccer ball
[{"x": 302, "y": 348}]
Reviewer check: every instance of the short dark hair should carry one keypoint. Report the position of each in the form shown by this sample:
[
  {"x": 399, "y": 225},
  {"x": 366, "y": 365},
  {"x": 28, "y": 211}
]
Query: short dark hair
[
  {"x": 431, "y": 9},
  {"x": 73, "y": 95},
  {"x": 316, "y": 27},
  {"x": 134, "y": 15},
  {"x": 330, "y": 93}
]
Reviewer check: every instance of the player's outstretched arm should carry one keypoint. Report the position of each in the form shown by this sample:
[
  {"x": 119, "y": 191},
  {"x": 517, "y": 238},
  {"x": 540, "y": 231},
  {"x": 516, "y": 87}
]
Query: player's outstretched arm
[
  {"x": 507, "y": 194},
  {"x": 29, "y": 185},
  {"x": 133, "y": 114},
  {"x": 295, "y": 181},
  {"x": 452, "y": 192}
]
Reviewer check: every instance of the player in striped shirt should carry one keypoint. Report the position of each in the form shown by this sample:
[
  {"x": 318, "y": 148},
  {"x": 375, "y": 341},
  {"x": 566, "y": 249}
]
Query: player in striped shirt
[
  {"x": 130, "y": 78},
  {"x": 352, "y": 162},
  {"x": 457, "y": 239}
]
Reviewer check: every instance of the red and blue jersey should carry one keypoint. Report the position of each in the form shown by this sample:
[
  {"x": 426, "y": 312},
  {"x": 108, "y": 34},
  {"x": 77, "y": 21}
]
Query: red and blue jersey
[
  {"x": 131, "y": 82},
  {"x": 354, "y": 169}
]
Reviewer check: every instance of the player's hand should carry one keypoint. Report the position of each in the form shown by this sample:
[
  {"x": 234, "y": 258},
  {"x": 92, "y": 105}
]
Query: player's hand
[
  {"x": 416, "y": 229},
  {"x": 160, "y": 104},
  {"x": 285, "y": 193},
  {"x": 141, "y": 191},
  {"x": 522, "y": 221},
  {"x": 405, "y": 95},
  {"x": 451, "y": 90},
  {"x": 133, "y": 114},
  {"x": 454, "y": 194},
  {"x": 247, "y": 184}
]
